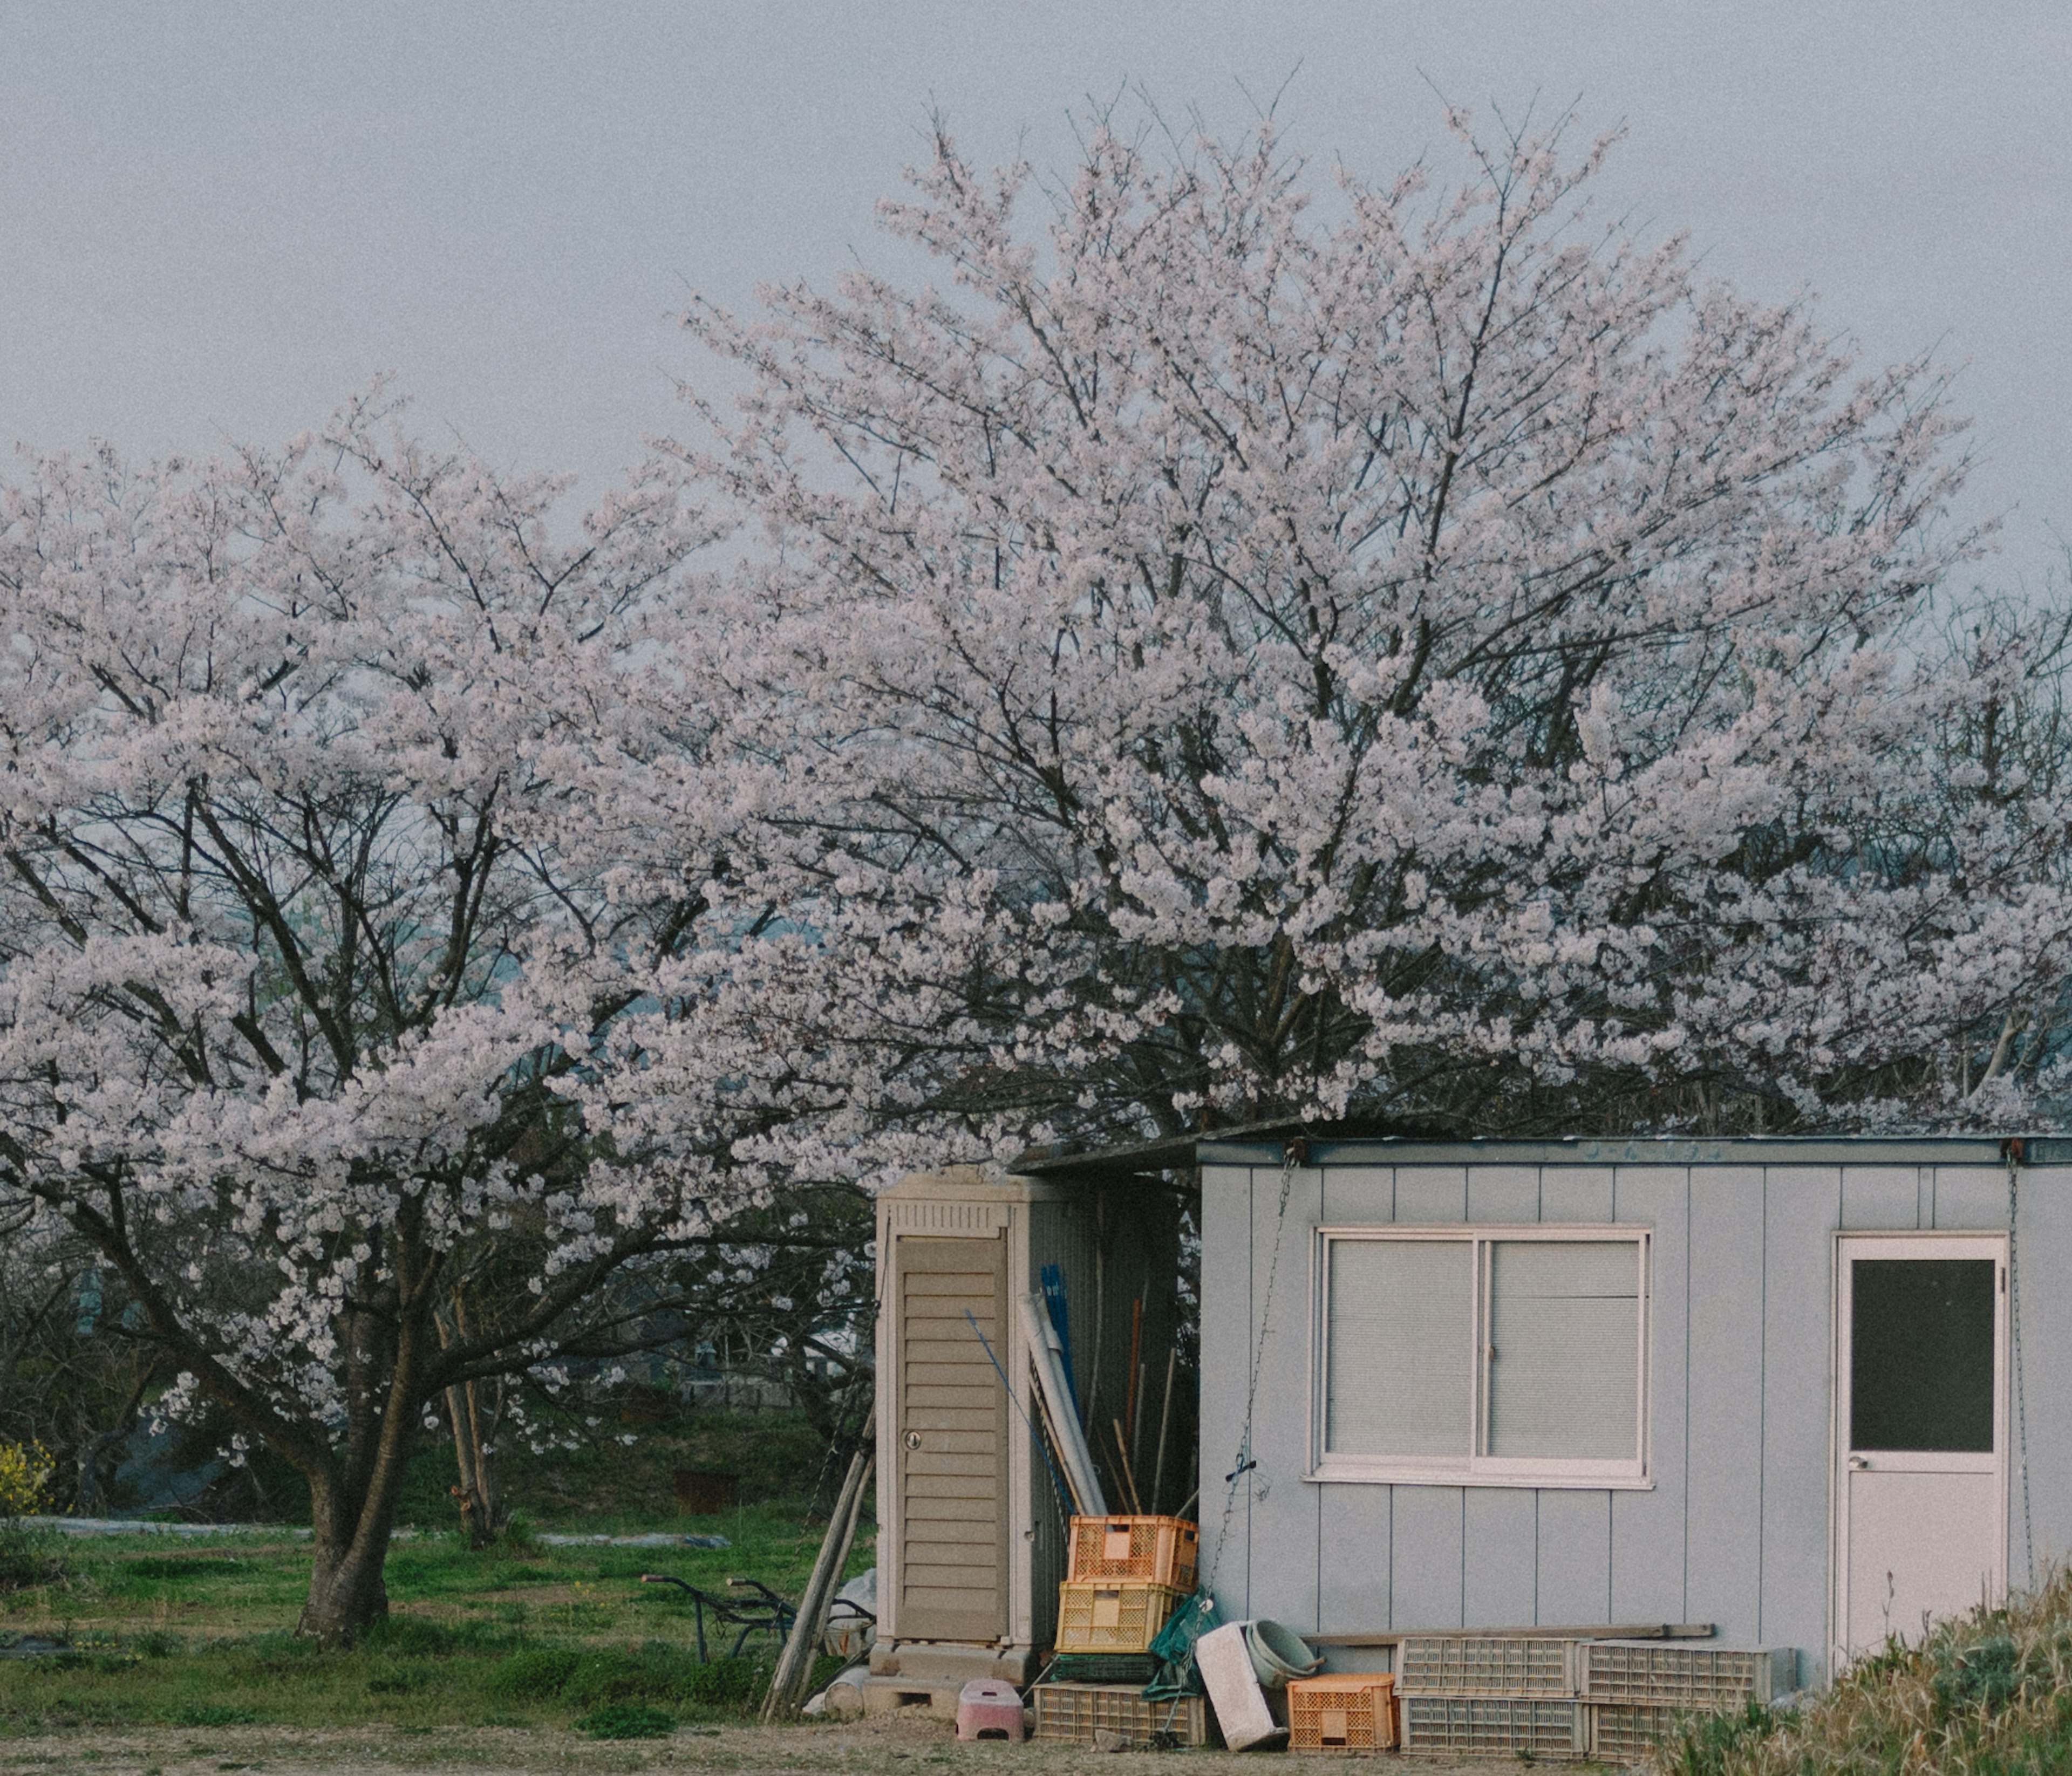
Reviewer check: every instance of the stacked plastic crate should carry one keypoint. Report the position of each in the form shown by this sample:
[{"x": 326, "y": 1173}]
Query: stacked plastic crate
[
  {"x": 1540, "y": 1696},
  {"x": 1126, "y": 1576}
]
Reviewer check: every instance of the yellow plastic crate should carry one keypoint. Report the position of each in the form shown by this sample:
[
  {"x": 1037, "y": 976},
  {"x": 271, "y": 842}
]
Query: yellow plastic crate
[
  {"x": 1164, "y": 1550},
  {"x": 1112, "y": 1615}
]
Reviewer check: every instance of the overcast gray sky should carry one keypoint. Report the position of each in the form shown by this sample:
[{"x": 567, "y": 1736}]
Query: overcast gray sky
[{"x": 220, "y": 219}]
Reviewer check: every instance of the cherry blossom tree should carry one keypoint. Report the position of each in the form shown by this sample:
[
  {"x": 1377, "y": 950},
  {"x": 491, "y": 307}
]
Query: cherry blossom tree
[
  {"x": 1420, "y": 656},
  {"x": 331, "y": 898}
]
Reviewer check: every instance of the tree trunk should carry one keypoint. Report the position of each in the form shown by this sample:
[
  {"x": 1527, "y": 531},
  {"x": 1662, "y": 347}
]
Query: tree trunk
[{"x": 347, "y": 1594}]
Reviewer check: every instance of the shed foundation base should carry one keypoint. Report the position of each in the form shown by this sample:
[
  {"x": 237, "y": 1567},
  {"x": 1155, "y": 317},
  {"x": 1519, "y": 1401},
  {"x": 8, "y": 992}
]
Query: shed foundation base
[{"x": 932, "y": 1673}]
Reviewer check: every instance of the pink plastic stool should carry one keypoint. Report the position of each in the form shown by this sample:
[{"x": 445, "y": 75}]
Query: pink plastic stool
[{"x": 989, "y": 1705}]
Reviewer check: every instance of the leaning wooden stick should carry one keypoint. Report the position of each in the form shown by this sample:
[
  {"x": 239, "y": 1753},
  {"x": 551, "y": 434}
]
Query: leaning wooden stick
[{"x": 795, "y": 1664}]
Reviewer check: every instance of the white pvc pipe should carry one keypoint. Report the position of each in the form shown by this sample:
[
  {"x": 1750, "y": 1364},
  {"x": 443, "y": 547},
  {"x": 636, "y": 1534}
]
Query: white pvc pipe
[{"x": 1046, "y": 1355}]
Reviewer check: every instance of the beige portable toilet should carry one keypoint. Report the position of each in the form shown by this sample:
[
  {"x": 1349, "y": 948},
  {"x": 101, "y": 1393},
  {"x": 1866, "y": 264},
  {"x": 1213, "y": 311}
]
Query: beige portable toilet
[{"x": 971, "y": 1530}]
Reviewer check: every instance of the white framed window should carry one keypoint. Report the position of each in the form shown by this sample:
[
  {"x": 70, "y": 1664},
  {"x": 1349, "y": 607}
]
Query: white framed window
[{"x": 1481, "y": 1356}]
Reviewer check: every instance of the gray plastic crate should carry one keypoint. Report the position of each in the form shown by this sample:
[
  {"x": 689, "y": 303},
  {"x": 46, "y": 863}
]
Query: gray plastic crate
[
  {"x": 1494, "y": 1725},
  {"x": 1622, "y": 1735},
  {"x": 1680, "y": 1675},
  {"x": 1076, "y": 1712},
  {"x": 1517, "y": 1665}
]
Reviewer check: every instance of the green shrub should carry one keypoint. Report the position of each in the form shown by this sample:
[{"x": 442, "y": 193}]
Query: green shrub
[
  {"x": 729, "y": 1685},
  {"x": 627, "y": 1720},
  {"x": 536, "y": 1674},
  {"x": 1712, "y": 1744},
  {"x": 595, "y": 1677},
  {"x": 412, "y": 1636}
]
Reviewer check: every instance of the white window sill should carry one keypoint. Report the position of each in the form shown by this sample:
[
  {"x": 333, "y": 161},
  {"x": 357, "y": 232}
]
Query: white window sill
[{"x": 1467, "y": 1477}]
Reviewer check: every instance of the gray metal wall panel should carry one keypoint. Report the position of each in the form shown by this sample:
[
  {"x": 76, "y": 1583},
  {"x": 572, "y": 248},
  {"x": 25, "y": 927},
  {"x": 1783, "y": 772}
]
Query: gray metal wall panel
[
  {"x": 1355, "y": 1195},
  {"x": 1872, "y": 1197},
  {"x": 1354, "y": 1562},
  {"x": 1283, "y": 1566},
  {"x": 1575, "y": 1557},
  {"x": 1226, "y": 1354},
  {"x": 1500, "y": 1581},
  {"x": 2042, "y": 1427},
  {"x": 1798, "y": 1415},
  {"x": 1503, "y": 1194},
  {"x": 1971, "y": 1198},
  {"x": 1355, "y": 1568},
  {"x": 1431, "y": 1195},
  {"x": 1724, "y": 1450},
  {"x": 1648, "y": 1527},
  {"x": 1577, "y": 1193},
  {"x": 1426, "y": 1558}
]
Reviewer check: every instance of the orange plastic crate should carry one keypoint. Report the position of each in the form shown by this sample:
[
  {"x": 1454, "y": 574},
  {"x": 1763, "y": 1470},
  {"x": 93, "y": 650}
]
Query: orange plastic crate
[
  {"x": 1112, "y": 1615},
  {"x": 1163, "y": 1550},
  {"x": 1349, "y": 1711}
]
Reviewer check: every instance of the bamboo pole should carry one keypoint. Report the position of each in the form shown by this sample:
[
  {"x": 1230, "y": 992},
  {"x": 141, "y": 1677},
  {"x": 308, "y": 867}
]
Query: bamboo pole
[
  {"x": 1130, "y": 1401},
  {"x": 1165, "y": 1421},
  {"x": 1128, "y": 1479}
]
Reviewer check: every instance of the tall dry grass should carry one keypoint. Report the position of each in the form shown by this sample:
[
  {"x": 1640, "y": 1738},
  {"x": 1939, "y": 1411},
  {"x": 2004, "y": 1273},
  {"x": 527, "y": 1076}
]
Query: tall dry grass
[{"x": 1989, "y": 1694}]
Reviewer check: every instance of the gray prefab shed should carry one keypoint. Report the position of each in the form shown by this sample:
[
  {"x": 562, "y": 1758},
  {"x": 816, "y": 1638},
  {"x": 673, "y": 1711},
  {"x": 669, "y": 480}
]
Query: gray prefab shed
[{"x": 1806, "y": 1390}]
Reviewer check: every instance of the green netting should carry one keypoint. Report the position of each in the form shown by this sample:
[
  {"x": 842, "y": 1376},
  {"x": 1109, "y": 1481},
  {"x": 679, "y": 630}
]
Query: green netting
[{"x": 1174, "y": 1647}]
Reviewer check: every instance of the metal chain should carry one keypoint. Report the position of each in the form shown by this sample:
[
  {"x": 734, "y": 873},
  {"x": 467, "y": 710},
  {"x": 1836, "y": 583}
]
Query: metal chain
[
  {"x": 1291, "y": 1157},
  {"x": 2014, "y": 1334}
]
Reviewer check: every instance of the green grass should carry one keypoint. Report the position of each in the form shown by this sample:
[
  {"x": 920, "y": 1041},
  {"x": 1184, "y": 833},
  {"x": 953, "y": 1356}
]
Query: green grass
[
  {"x": 162, "y": 1632},
  {"x": 478, "y": 1677},
  {"x": 1989, "y": 1694}
]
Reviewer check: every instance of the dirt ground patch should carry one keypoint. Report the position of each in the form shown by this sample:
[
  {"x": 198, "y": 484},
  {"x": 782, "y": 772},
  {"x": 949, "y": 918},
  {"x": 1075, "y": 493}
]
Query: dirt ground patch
[{"x": 897, "y": 1746}]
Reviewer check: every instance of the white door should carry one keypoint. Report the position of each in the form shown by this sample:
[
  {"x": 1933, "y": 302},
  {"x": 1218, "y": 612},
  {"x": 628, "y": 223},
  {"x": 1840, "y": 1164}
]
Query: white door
[{"x": 1920, "y": 1433}]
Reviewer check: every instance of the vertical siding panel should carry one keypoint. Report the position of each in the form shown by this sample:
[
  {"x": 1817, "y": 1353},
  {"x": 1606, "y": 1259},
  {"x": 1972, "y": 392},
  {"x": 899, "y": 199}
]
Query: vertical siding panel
[
  {"x": 1498, "y": 1580},
  {"x": 1971, "y": 1198},
  {"x": 1648, "y": 1527},
  {"x": 1503, "y": 1195},
  {"x": 1225, "y": 1308},
  {"x": 1875, "y": 1196},
  {"x": 1353, "y": 1520},
  {"x": 1358, "y": 1196},
  {"x": 1798, "y": 1381},
  {"x": 1575, "y": 1557},
  {"x": 1425, "y": 1590},
  {"x": 1426, "y": 1542},
  {"x": 1575, "y": 1193},
  {"x": 1431, "y": 1196},
  {"x": 1725, "y": 1408},
  {"x": 1284, "y": 1505},
  {"x": 2043, "y": 1259}
]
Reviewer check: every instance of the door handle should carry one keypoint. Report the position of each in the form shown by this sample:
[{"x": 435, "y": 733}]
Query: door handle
[{"x": 1858, "y": 1465}]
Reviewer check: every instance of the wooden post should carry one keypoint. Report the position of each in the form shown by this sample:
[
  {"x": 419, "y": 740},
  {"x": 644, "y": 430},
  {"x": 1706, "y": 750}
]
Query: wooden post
[{"x": 795, "y": 1664}]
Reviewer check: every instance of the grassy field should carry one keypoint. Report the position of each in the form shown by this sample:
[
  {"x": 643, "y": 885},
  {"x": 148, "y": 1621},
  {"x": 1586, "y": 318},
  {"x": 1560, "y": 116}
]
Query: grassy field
[
  {"x": 159, "y": 1633},
  {"x": 166, "y": 1632}
]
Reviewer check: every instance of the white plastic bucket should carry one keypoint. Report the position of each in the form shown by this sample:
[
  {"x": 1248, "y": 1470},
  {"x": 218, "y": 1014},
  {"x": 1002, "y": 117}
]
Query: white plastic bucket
[{"x": 1278, "y": 1653}]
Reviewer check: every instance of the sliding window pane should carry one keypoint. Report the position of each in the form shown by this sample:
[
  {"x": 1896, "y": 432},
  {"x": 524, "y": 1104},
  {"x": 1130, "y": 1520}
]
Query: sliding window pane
[
  {"x": 1564, "y": 1349},
  {"x": 1401, "y": 1344}
]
